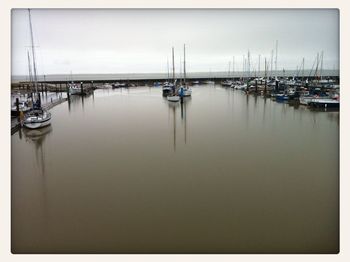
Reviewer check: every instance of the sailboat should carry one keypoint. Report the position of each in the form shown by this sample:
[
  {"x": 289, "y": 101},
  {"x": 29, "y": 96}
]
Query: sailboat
[
  {"x": 173, "y": 97},
  {"x": 185, "y": 90},
  {"x": 227, "y": 82},
  {"x": 74, "y": 89},
  {"x": 38, "y": 117},
  {"x": 167, "y": 87}
]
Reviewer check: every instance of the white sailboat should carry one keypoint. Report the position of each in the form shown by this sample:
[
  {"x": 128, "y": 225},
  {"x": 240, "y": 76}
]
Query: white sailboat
[
  {"x": 38, "y": 117},
  {"x": 186, "y": 91},
  {"x": 173, "y": 97}
]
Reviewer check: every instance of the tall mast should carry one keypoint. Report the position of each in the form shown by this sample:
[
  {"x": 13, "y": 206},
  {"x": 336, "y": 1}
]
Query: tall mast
[
  {"x": 173, "y": 65},
  {"x": 233, "y": 68},
  {"x": 29, "y": 69},
  {"x": 321, "y": 65},
  {"x": 248, "y": 64},
  {"x": 276, "y": 59},
  {"x": 184, "y": 64},
  {"x": 302, "y": 78},
  {"x": 271, "y": 63},
  {"x": 167, "y": 60},
  {"x": 317, "y": 62},
  {"x": 259, "y": 67},
  {"x": 33, "y": 52},
  {"x": 180, "y": 70},
  {"x": 229, "y": 69},
  {"x": 243, "y": 70}
]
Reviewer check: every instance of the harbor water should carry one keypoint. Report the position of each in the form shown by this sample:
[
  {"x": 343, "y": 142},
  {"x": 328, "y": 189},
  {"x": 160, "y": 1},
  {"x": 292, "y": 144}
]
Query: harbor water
[{"x": 126, "y": 171}]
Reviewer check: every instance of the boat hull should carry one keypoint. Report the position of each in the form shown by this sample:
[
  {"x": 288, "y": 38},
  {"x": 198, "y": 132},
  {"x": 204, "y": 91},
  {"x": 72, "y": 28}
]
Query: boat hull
[
  {"x": 37, "y": 120},
  {"x": 281, "y": 98},
  {"x": 173, "y": 98},
  {"x": 324, "y": 103},
  {"x": 36, "y": 125},
  {"x": 187, "y": 92}
]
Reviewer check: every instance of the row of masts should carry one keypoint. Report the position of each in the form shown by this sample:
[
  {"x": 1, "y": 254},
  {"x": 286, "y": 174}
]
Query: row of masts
[
  {"x": 183, "y": 77},
  {"x": 247, "y": 71}
]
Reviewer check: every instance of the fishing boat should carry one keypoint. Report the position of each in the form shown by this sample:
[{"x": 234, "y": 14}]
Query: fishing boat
[{"x": 38, "y": 117}]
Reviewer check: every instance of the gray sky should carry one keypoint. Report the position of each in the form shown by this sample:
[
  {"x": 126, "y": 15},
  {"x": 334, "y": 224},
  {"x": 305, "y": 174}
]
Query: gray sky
[{"x": 136, "y": 41}]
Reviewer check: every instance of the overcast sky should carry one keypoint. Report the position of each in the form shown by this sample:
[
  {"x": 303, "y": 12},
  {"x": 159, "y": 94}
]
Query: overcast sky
[{"x": 136, "y": 41}]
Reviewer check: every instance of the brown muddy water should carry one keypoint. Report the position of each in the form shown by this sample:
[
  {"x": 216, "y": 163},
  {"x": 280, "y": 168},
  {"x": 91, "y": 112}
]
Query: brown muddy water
[{"x": 126, "y": 171}]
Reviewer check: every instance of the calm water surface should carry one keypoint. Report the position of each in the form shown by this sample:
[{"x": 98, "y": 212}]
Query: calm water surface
[{"x": 125, "y": 171}]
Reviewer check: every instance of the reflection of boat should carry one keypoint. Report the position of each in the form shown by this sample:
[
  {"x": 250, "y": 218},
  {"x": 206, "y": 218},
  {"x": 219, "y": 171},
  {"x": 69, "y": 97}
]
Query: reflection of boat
[{"x": 37, "y": 134}]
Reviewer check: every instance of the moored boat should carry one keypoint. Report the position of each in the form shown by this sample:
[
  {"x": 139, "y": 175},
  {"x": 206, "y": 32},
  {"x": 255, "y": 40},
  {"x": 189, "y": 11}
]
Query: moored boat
[
  {"x": 74, "y": 89},
  {"x": 324, "y": 103},
  {"x": 37, "y": 118},
  {"x": 23, "y": 106}
]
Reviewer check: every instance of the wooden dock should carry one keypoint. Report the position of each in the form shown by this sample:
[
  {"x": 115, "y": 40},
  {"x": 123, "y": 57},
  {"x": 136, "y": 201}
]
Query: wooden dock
[{"x": 15, "y": 124}]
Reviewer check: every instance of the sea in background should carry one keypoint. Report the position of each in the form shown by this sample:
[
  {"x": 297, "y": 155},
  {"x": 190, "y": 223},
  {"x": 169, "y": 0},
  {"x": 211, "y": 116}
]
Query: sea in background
[{"x": 136, "y": 76}]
